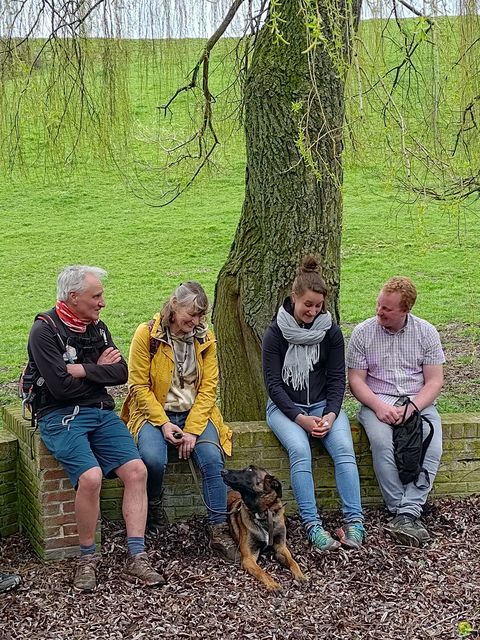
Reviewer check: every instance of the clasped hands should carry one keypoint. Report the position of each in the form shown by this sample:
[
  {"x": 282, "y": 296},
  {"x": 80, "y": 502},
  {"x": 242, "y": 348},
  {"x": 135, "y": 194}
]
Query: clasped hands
[
  {"x": 316, "y": 426},
  {"x": 391, "y": 414}
]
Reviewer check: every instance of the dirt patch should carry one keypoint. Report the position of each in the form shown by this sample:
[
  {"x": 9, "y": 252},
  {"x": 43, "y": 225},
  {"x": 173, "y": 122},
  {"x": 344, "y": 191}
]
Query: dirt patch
[{"x": 381, "y": 591}]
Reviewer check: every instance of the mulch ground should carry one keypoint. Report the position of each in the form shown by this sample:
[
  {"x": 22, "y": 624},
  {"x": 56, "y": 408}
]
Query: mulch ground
[{"x": 382, "y": 591}]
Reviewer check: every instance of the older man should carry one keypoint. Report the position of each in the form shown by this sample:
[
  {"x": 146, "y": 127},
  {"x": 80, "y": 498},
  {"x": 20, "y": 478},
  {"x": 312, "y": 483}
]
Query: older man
[
  {"x": 77, "y": 358},
  {"x": 392, "y": 356}
]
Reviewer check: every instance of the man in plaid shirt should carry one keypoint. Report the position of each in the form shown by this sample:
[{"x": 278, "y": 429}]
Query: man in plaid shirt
[{"x": 391, "y": 356}]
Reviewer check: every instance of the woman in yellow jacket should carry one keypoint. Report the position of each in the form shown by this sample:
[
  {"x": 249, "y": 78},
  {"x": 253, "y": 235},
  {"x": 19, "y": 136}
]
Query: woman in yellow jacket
[{"x": 172, "y": 386}]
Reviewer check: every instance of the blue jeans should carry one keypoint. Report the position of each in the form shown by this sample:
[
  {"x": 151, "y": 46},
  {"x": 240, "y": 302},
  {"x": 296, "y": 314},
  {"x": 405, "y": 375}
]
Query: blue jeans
[
  {"x": 339, "y": 445},
  {"x": 208, "y": 458}
]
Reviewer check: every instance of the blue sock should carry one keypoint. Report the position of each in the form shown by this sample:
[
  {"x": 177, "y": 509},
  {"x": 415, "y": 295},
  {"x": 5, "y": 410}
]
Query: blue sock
[
  {"x": 86, "y": 550},
  {"x": 135, "y": 545}
]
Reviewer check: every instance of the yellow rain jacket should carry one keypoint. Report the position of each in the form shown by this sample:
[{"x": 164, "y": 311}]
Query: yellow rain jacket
[{"x": 149, "y": 380}]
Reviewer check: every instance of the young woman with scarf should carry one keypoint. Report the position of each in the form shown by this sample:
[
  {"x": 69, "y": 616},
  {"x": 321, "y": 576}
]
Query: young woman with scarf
[
  {"x": 172, "y": 389},
  {"x": 303, "y": 356}
]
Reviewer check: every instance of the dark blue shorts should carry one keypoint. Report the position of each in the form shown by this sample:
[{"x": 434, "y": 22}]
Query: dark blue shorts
[{"x": 81, "y": 438}]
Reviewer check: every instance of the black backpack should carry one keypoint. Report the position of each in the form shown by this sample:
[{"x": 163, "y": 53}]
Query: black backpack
[
  {"x": 410, "y": 448},
  {"x": 31, "y": 385}
]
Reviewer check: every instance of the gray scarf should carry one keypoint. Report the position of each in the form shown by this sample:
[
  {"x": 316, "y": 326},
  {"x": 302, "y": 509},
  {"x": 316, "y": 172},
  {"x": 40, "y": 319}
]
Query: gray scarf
[{"x": 303, "y": 346}]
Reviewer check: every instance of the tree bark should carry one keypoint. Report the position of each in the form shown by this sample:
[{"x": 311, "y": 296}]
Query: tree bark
[{"x": 294, "y": 112}]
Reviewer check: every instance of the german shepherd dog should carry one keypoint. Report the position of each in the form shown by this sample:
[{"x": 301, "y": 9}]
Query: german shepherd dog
[{"x": 257, "y": 521}]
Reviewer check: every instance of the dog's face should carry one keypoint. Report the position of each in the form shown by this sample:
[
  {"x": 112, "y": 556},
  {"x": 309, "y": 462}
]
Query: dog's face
[{"x": 252, "y": 482}]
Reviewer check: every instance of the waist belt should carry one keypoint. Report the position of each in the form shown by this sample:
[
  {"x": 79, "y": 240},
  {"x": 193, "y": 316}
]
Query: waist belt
[{"x": 107, "y": 405}]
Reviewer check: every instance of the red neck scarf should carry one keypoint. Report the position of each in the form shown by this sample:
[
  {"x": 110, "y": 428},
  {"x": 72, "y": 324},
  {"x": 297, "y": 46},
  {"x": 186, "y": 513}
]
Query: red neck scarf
[{"x": 72, "y": 321}]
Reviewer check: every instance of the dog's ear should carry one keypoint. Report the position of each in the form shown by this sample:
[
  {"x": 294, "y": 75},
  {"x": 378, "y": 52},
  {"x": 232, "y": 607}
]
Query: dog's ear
[{"x": 274, "y": 484}]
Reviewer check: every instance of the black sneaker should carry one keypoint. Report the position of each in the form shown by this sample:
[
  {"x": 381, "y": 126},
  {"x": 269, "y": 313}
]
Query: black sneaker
[
  {"x": 408, "y": 530},
  {"x": 8, "y": 581}
]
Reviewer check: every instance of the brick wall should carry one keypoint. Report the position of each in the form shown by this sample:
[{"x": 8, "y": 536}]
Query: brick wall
[
  {"x": 8, "y": 483},
  {"x": 45, "y": 495},
  {"x": 46, "y": 499}
]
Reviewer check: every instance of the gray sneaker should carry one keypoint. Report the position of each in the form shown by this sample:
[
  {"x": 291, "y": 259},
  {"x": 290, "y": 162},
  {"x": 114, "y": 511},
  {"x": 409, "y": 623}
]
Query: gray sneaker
[
  {"x": 139, "y": 568},
  {"x": 408, "y": 530},
  {"x": 85, "y": 575},
  {"x": 8, "y": 581},
  {"x": 222, "y": 542}
]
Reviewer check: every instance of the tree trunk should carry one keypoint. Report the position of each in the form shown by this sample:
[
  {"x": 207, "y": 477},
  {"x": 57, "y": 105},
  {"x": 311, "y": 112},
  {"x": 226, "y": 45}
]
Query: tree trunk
[{"x": 294, "y": 111}]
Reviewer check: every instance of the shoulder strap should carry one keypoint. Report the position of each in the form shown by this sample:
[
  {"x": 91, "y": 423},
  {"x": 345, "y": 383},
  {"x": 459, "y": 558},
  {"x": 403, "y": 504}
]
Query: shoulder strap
[
  {"x": 154, "y": 344},
  {"x": 428, "y": 439},
  {"x": 50, "y": 320},
  {"x": 406, "y": 403},
  {"x": 425, "y": 446}
]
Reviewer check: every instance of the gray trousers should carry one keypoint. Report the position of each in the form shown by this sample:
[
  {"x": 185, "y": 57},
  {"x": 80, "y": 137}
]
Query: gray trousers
[{"x": 401, "y": 498}]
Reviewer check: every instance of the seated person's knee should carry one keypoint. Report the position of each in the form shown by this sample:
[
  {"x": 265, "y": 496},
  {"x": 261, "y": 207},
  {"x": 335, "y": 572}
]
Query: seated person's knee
[
  {"x": 133, "y": 472},
  {"x": 91, "y": 480}
]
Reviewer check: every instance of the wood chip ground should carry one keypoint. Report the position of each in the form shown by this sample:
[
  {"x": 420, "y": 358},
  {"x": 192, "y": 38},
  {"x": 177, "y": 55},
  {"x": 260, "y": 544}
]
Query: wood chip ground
[{"x": 381, "y": 592}]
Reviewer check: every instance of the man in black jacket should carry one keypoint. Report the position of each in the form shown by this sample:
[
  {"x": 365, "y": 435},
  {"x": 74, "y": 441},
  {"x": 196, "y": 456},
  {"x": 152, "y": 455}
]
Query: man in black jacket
[{"x": 76, "y": 357}]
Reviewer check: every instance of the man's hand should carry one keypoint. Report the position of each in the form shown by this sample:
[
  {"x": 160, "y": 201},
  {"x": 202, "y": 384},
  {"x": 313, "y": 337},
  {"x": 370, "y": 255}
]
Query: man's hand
[
  {"x": 168, "y": 430},
  {"x": 323, "y": 427},
  {"x": 390, "y": 414},
  {"x": 76, "y": 370},
  {"x": 110, "y": 356},
  {"x": 187, "y": 445}
]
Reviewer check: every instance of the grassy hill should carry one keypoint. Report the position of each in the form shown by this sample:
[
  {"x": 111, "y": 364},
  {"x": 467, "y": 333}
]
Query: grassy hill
[{"x": 101, "y": 213}]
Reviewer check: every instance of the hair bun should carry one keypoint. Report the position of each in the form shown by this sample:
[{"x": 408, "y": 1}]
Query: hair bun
[{"x": 309, "y": 264}]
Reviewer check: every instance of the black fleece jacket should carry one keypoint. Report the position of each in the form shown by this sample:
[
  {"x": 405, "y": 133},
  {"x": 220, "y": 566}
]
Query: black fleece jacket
[
  {"x": 62, "y": 389},
  {"x": 326, "y": 381}
]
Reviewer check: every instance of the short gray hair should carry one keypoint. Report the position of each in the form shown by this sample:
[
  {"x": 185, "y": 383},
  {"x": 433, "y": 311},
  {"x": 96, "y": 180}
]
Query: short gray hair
[{"x": 73, "y": 279}]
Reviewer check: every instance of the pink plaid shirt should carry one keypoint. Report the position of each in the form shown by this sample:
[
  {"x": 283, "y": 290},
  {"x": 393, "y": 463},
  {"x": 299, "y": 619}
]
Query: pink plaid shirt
[{"x": 394, "y": 361}]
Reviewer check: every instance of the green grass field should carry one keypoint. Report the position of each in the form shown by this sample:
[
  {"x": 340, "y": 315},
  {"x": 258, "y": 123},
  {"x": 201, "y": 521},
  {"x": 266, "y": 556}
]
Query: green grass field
[{"x": 92, "y": 217}]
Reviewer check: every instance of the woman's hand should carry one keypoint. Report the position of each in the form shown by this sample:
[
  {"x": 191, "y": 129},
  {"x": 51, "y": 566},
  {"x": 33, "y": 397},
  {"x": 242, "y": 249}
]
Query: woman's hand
[
  {"x": 169, "y": 430},
  {"x": 187, "y": 445},
  {"x": 324, "y": 425},
  {"x": 308, "y": 423}
]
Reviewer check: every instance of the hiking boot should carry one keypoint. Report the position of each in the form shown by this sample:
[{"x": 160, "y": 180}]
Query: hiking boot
[
  {"x": 85, "y": 576},
  {"x": 352, "y": 535},
  {"x": 408, "y": 530},
  {"x": 157, "y": 518},
  {"x": 139, "y": 567},
  {"x": 8, "y": 581},
  {"x": 321, "y": 539},
  {"x": 222, "y": 542}
]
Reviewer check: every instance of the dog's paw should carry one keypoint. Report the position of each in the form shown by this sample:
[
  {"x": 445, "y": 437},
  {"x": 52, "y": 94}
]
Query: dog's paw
[
  {"x": 301, "y": 579},
  {"x": 274, "y": 586}
]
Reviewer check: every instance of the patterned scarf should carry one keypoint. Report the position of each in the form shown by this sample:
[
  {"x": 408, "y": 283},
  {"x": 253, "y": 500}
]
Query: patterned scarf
[
  {"x": 303, "y": 346},
  {"x": 72, "y": 321}
]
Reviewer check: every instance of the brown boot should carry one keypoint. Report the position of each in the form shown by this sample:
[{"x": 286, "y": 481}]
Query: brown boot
[
  {"x": 222, "y": 542},
  {"x": 139, "y": 567},
  {"x": 157, "y": 518},
  {"x": 85, "y": 575}
]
